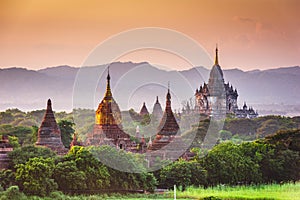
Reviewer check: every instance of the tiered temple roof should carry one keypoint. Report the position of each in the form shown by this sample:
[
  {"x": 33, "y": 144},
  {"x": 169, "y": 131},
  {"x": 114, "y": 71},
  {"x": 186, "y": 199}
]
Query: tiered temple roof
[
  {"x": 168, "y": 124},
  {"x": 49, "y": 134},
  {"x": 108, "y": 128},
  {"x": 167, "y": 129}
]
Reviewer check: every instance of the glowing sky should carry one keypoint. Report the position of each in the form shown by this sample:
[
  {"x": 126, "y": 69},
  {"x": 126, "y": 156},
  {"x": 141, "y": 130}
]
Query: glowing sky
[{"x": 251, "y": 34}]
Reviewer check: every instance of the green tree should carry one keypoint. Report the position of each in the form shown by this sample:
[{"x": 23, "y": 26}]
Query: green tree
[
  {"x": 68, "y": 177},
  {"x": 21, "y": 132},
  {"x": 227, "y": 164},
  {"x": 23, "y": 154},
  {"x": 97, "y": 175},
  {"x": 7, "y": 178},
  {"x": 283, "y": 162},
  {"x": 126, "y": 170},
  {"x": 6, "y": 117},
  {"x": 13, "y": 141},
  {"x": 34, "y": 134},
  {"x": 67, "y": 131},
  {"x": 34, "y": 177},
  {"x": 225, "y": 135},
  {"x": 288, "y": 139},
  {"x": 182, "y": 173},
  {"x": 13, "y": 193}
]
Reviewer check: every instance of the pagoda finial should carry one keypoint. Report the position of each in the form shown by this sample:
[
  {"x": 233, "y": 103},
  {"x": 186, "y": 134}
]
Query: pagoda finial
[
  {"x": 157, "y": 99},
  {"x": 49, "y": 107},
  {"x": 108, "y": 76},
  {"x": 108, "y": 90},
  {"x": 168, "y": 94},
  {"x": 216, "y": 58},
  {"x": 168, "y": 99}
]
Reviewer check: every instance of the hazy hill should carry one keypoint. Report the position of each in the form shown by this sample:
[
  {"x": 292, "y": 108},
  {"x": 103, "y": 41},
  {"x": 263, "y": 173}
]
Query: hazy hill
[{"x": 270, "y": 91}]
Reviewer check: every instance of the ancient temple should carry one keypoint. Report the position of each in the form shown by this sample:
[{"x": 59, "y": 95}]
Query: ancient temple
[
  {"x": 167, "y": 129},
  {"x": 108, "y": 129},
  {"x": 246, "y": 112},
  {"x": 167, "y": 144},
  {"x": 157, "y": 112},
  {"x": 218, "y": 97},
  {"x": 5, "y": 148},
  {"x": 49, "y": 133},
  {"x": 144, "y": 111}
]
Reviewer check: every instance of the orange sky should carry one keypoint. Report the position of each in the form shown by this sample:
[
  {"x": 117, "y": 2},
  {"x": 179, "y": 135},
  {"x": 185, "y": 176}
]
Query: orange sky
[{"x": 251, "y": 34}]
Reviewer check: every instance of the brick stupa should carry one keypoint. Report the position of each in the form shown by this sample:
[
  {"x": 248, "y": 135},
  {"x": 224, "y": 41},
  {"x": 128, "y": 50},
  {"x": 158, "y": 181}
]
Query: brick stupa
[
  {"x": 168, "y": 128},
  {"x": 168, "y": 143},
  {"x": 49, "y": 133},
  {"x": 144, "y": 110}
]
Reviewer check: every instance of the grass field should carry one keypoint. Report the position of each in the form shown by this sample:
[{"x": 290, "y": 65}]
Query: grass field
[
  {"x": 262, "y": 192},
  {"x": 266, "y": 192}
]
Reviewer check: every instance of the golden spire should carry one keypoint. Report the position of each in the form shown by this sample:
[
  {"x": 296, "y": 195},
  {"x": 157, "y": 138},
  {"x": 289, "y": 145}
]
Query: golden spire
[
  {"x": 216, "y": 58},
  {"x": 108, "y": 90}
]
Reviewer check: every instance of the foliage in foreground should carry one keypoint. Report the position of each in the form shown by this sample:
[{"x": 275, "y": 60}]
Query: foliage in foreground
[
  {"x": 38, "y": 171},
  {"x": 275, "y": 159}
]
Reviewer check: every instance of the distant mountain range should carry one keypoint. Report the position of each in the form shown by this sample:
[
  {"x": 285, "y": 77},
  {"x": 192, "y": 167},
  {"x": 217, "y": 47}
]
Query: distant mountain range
[{"x": 274, "y": 91}]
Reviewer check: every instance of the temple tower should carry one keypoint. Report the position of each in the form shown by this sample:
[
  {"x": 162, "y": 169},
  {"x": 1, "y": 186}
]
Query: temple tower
[
  {"x": 168, "y": 125},
  {"x": 108, "y": 128},
  {"x": 49, "y": 133},
  {"x": 108, "y": 112},
  {"x": 217, "y": 94},
  {"x": 144, "y": 110},
  {"x": 167, "y": 128},
  {"x": 157, "y": 112},
  {"x": 218, "y": 98}
]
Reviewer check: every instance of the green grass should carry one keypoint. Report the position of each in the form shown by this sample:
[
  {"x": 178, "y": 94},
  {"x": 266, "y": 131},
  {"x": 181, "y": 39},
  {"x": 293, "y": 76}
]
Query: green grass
[
  {"x": 261, "y": 192},
  {"x": 266, "y": 192}
]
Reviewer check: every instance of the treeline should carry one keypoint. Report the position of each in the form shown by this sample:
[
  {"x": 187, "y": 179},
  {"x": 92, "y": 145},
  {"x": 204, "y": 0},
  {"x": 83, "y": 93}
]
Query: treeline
[
  {"x": 38, "y": 171},
  {"x": 14, "y": 121},
  {"x": 275, "y": 159},
  {"x": 260, "y": 127}
]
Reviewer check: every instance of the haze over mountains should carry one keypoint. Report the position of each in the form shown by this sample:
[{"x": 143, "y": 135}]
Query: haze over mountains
[{"x": 274, "y": 91}]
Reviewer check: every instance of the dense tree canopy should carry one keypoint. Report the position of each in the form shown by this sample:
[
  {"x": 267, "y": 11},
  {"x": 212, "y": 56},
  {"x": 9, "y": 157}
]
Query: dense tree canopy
[
  {"x": 67, "y": 131},
  {"x": 35, "y": 176},
  {"x": 182, "y": 173}
]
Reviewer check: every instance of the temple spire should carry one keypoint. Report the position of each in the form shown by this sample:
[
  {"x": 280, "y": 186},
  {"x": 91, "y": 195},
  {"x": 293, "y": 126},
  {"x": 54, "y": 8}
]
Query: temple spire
[
  {"x": 216, "y": 58},
  {"x": 168, "y": 99},
  {"x": 108, "y": 90},
  {"x": 49, "y": 107}
]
